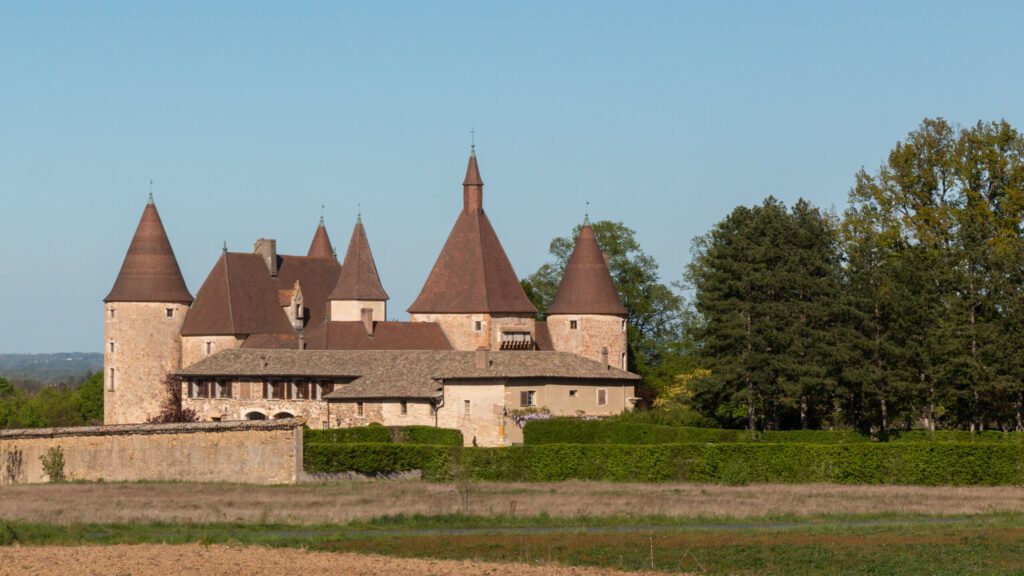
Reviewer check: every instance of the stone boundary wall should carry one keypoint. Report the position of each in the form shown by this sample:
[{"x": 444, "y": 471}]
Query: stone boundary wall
[{"x": 251, "y": 452}]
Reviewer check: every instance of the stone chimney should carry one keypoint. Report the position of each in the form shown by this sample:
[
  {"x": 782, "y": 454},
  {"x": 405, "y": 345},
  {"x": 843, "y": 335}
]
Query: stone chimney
[
  {"x": 366, "y": 315},
  {"x": 267, "y": 249},
  {"x": 482, "y": 358},
  {"x": 604, "y": 357}
]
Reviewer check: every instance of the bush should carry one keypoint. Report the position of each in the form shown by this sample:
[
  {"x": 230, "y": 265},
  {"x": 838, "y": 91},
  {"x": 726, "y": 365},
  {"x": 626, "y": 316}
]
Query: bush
[
  {"x": 427, "y": 435},
  {"x": 53, "y": 463},
  {"x": 578, "y": 431},
  {"x": 924, "y": 463}
]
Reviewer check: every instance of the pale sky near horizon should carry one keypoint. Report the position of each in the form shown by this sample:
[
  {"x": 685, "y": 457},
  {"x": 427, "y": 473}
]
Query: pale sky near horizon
[{"x": 249, "y": 115}]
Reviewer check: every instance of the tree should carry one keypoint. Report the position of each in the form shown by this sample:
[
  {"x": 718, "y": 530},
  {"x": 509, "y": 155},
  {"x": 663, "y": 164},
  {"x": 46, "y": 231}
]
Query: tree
[
  {"x": 655, "y": 326},
  {"x": 171, "y": 409},
  {"x": 91, "y": 394}
]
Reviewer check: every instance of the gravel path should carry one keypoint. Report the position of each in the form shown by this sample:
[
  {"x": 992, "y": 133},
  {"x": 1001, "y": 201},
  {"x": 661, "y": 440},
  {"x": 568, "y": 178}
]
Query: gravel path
[{"x": 161, "y": 560}]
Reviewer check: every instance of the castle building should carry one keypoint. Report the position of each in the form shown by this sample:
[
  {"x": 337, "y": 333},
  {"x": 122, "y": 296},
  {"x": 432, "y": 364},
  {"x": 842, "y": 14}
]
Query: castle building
[{"x": 271, "y": 335}]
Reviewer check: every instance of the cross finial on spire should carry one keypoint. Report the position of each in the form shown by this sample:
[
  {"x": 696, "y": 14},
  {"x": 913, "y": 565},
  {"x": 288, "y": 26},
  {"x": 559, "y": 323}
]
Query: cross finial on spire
[
  {"x": 225, "y": 247},
  {"x": 322, "y": 214},
  {"x": 586, "y": 215},
  {"x": 359, "y": 213},
  {"x": 150, "y": 201},
  {"x": 472, "y": 142}
]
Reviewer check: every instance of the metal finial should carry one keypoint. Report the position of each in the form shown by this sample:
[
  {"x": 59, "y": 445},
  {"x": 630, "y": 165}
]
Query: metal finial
[
  {"x": 359, "y": 213},
  {"x": 322, "y": 214},
  {"x": 472, "y": 142},
  {"x": 586, "y": 215},
  {"x": 334, "y": 252},
  {"x": 150, "y": 201},
  {"x": 225, "y": 247}
]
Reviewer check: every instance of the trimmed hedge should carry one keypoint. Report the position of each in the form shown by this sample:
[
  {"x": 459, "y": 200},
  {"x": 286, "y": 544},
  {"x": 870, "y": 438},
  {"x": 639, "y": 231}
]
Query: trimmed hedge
[
  {"x": 385, "y": 435},
  {"x": 922, "y": 463},
  {"x": 578, "y": 431}
]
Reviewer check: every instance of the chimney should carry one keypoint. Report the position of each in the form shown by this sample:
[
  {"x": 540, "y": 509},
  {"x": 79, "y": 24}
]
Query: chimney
[
  {"x": 482, "y": 358},
  {"x": 267, "y": 248},
  {"x": 366, "y": 315},
  {"x": 604, "y": 357}
]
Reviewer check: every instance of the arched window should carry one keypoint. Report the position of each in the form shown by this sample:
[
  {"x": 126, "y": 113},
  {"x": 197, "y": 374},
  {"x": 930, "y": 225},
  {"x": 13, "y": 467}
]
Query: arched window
[
  {"x": 255, "y": 416},
  {"x": 282, "y": 416}
]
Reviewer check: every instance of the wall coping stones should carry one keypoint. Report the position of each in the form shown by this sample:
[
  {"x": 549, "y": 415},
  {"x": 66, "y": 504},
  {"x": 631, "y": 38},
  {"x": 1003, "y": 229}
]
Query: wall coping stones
[{"x": 148, "y": 429}]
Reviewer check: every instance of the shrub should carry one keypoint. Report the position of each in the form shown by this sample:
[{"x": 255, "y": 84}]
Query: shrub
[
  {"x": 578, "y": 431},
  {"x": 426, "y": 435},
  {"x": 436, "y": 462},
  {"x": 53, "y": 463}
]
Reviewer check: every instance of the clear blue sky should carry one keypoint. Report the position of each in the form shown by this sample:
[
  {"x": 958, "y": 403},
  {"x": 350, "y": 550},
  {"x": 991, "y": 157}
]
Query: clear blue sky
[{"x": 249, "y": 115}]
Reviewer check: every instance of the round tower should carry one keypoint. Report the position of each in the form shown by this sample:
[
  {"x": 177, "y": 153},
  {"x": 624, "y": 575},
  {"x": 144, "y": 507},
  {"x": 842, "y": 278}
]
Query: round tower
[
  {"x": 586, "y": 316},
  {"x": 142, "y": 318},
  {"x": 358, "y": 294}
]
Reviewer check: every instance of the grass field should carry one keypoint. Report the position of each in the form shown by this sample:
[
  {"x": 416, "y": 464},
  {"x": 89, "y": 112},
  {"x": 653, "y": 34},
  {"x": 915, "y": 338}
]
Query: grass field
[{"x": 751, "y": 530}]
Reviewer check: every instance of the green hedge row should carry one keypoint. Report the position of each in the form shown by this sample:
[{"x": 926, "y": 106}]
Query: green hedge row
[
  {"x": 921, "y": 463},
  {"x": 386, "y": 435},
  {"x": 577, "y": 431}
]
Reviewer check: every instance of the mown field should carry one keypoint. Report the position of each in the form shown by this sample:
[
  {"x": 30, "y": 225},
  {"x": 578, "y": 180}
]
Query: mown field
[{"x": 676, "y": 528}]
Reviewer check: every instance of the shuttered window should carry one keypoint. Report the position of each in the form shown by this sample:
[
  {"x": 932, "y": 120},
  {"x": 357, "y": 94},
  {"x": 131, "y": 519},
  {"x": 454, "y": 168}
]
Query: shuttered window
[
  {"x": 528, "y": 398},
  {"x": 602, "y": 397}
]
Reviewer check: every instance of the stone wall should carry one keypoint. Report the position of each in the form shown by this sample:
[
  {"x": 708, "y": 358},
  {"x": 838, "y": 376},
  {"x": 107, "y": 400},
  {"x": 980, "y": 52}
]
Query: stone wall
[
  {"x": 593, "y": 332},
  {"x": 352, "y": 310},
  {"x": 484, "y": 420},
  {"x": 463, "y": 335},
  {"x": 193, "y": 348},
  {"x": 387, "y": 412},
  {"x": 567, "y": 398},
  {"x": 258, "y": 452},
  {"x": 246, "y": 398},
  {"x": 146, "y": 347}
]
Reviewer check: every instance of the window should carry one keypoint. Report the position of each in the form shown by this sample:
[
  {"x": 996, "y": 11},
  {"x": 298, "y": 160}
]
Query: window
[
  {"x": 602, "y": 397},
  {"x": 281, "y": 390},
  {"x": 528, "y": 398},
  {"x": 326, "y": 388},
  {"x": 304, "y": 390},
  {"x": 111, "y": 312},
  {"x": 359, "y": 408},
  {"x": 111, "y": 346},
  {"x": 224, "y": 390},
  {"x": 405, "y": 408},
  {"x": 623, "y": 360},
  {"x": 209, "y": 347},
  {"x": 573, "y": 324},
  {"x": 110, "y": 385},
  {"x": 478, "y": 325},
  {"x": 466, "y": 407},
  {"x": 574, "y": 393},
  {"x": 170, "y": 312},
  {"x": 298, "y": 310}
]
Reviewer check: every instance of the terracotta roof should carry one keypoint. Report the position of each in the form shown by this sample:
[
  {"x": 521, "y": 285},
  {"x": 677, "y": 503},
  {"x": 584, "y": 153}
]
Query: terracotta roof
[
  {"x": 472, "y": 274},
  {"x": 316, "y": 276},
  {"x": 358, "y": 279},
  {"x": 386, "y": 336},
  {"x": 586, "y": 286},
  {"x": 237, "y": 298},
  {"x": 388, "y": 384},
  {"x": 150, "y": 271},
  {"x": 272, "y": 341},
  {"x": 321, "y": 245},
  {"x": 397, "y": 373}
]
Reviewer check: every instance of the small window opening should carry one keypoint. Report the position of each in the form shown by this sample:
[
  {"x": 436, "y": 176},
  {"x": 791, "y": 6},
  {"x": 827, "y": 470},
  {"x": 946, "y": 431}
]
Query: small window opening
[
  {"x": 466, "y": 407},
  {"x": 602, "y": 397},
  {"x": 359, "y": 408},
  {"x": 209, "y": 348},
  {"x": 623, "y": 360},
  {"x": 112, "y": 312},
  {"x": 405, "y": 408},
  {"x": 573, "y": 324},
  {"x": 478, "y": 325},
  {"x": 110, "y": 385},
  {"x": 528, "y": 398},
  {"x": 574, "y": 393},
  {"x": 170, "y": 312},
  {"x": 111, "y": 346}
]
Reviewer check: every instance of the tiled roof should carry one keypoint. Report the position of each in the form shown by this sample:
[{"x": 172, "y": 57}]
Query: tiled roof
[
  {"x": 358, "y": 279},
  {"x": 542, "y": 336},
  {"x": 272, "y": 341},
  {"x": 316, "y": 276},
  {"x": 394, "y": 373},
  {"x": 321, "y": 246},
  {"x": 237, "y": 298},
  {"x": 472, "y": 274},
  {"x": 386, "y": 336},
  {"x": 150, "y": 272},
  {"x": 586, "y": 286}
]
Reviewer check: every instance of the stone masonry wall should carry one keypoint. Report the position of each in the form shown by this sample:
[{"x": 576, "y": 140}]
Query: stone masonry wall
[
  {"x": 463, "y": 335},
  {"x": 261, "y": 452},
  {"x": 386, "y": 412},
  {"x": 593, "y": 332},
  {"x": 146, "y": 346},
  {"x": 193, "y": 348},
  {"x": 484, "y": 419},
  {"x": 247, "y": 397}
]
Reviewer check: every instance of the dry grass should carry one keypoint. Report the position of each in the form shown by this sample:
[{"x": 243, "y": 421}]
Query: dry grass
[
  {"x": 341, "y": 502},
  {"x": 160, "y": 560}
]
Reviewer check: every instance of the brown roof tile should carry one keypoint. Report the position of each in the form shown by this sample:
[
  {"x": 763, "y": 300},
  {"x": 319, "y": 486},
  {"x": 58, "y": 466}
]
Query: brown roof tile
[
  {"x": 272, "y": 341},
  {"x": 472, "y": 274},
  {"x": 386, "y": 336},
  {"x": 150, "y": 272},
  {"x": 317, "y": 276},
  {"x": 586, "y": 286},
  {"x": 542, "y": 336},
  {"x": 401, "y": 373},
  {"x": 237, "y": 298},
  {"x": 358, "y": 279},
  {"x": 321, "y": 246}
]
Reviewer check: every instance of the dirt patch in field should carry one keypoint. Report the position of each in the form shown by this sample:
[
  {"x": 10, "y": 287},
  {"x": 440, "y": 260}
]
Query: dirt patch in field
[
  {"x": 342, "y": 502},
  {"x": 161, "y": 560}
]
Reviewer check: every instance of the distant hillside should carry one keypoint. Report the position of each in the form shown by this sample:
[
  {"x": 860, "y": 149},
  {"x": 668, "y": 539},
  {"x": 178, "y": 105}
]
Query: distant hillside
[{"x": 50, "y": 368}]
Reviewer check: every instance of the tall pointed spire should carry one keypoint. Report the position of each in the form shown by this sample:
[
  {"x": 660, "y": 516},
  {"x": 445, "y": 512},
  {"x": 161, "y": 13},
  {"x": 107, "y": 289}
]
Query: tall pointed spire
[
  {"x": 359, "y": 279},
  {"x": 150, "y": 272},
  {"x": 472, "y": 186},
  {"x": 472, "y": 274},
  {"x": 321, "y": 247},
  {"x": 587, "y": 286}
]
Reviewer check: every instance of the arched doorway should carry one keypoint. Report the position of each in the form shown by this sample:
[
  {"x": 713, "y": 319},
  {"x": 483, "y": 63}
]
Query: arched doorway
[
  {"x": 282, "y": 416},
  {"x": 255, "y": 416}
]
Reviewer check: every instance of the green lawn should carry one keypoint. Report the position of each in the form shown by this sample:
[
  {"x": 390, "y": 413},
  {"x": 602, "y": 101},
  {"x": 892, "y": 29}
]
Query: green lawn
[{"x": 882, "y": 544}]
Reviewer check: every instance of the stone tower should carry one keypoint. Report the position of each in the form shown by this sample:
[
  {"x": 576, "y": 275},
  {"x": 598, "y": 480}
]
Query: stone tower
[
  {"x": 358, "y": 295},
  {"x": 472, "y": 292},
  {"x": 142, "y": 319},
  {"x": 586, "y": 316}
]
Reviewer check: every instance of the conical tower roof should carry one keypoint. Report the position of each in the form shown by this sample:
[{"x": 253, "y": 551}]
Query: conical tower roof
[
  {"x": 358, "y": 279},
  {"x": 586, "y": 286},
  {"x": 321, "y": 246},
  {"x": 150, "y": 272},
  {"x": 472, "y": 274}
]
